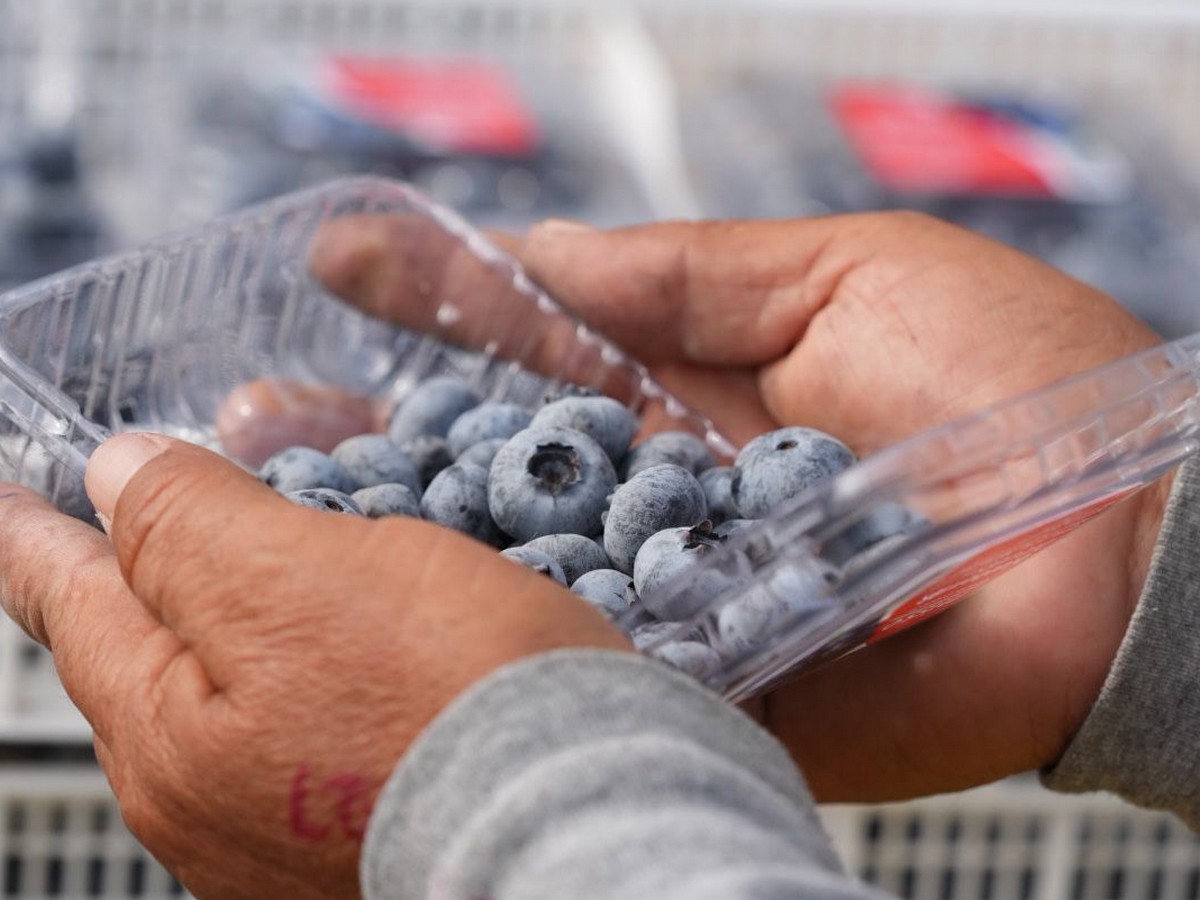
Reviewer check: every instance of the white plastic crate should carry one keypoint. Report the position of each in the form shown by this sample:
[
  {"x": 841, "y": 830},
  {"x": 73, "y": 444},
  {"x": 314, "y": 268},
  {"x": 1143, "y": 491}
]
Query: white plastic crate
[
  {"x": 1015, "y": 840},
  {"x": 33, "y": 705},
  {"x": 61, "y": 836},
  {"x": 134, "y": 59}
]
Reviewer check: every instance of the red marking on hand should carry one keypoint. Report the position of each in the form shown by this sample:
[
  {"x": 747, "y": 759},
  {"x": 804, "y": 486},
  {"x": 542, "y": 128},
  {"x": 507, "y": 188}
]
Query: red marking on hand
[
  {"x": 353, "y": 802},
  {"x": 342, "y": 800},
  {"x": 298, "y": 806}
]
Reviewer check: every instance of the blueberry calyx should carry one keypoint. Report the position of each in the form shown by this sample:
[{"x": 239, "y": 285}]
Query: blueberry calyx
[
  {"x": 555, "y": 465},
  {"x": 702, "y": 535}
]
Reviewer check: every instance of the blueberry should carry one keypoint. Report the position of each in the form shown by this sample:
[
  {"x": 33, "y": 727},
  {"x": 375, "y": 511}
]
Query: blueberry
[
  {"x": 300, "y": 468},
  {"x": 431, "y": 408},
  {"x": 429, "y": 454},
  {"x": 655, "y": 634},
  {"x": 872, "y": 554},
  {"x": 488, "y": 420},
  {"x": 730, "y": 527},
  {"x": 779, "y": 465},
  {"x": 637, "y": 616},
  {"x": 745, "y": 622},
  {"x": 785, "y": 596},
  {"x": 884, "y": 521},
  {"x": 718, "y": 493},
  {"x": 381, "y": 500},
  {"x": 373, "y": 459},
  {"x": 574, "y": 552},
  {"x": 610, "y": 423},
  {"x": 549, "y": 481},
  {"x": 608, "y": 590},
  {"x": 691, "y": 657},
  {"x": 325, "y": 499},
  {"x": 667, "y": 555},
  {"x": 535, "y": 559},
  {"x": 660, "y": 497},
  {"x": 680, "y": 448},
  {"x": 457, "y": 498},
  {"x": 483, "y": 453}
]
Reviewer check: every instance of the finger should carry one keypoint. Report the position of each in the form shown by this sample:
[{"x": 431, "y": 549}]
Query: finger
[
  {"x": 732, "y": 293},
  {"x": 60, "y": 581},
  {"x": 206, "y": 546},
  {"x": 260, "y": 418},
  {"x": 407, "y": 271}
]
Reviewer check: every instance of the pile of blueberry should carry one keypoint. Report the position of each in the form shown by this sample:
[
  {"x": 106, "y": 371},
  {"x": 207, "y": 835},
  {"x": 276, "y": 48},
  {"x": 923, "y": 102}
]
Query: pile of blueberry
[{"x": 564, "y": 490}]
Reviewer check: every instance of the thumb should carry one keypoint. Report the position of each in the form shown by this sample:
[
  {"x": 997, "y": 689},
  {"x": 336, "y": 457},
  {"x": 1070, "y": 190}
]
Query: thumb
[{"x": 196, "y": 536}]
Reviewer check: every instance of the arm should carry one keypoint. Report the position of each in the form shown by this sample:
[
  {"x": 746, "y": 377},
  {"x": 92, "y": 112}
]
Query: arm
[
  {"x": 597, "y": 775},
  {"x": 1142, "y": 738}
]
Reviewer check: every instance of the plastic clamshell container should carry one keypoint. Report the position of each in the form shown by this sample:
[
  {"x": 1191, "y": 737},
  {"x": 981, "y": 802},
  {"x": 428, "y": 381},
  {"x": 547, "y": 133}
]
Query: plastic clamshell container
[{"x": 158, "y": 339}]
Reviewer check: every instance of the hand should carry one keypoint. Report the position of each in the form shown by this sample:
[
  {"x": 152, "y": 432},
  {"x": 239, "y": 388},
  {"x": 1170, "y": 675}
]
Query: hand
[
  {"x": 253, "y": 669},
  {"x": 873, "y": 327}
]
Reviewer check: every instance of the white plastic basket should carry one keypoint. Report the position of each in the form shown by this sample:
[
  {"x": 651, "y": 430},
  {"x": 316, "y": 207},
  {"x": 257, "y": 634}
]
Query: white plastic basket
[
  {"x": 33, "y": 705},
  {"x": 1014, "y": 840},
  {"x": 61, "y": 836}
]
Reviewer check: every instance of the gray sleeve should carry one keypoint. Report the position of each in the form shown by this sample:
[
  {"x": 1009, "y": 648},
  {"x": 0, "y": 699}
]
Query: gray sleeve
[
  {"x": 597, "y": 774},
  {"x": 1141, "y": 739}
]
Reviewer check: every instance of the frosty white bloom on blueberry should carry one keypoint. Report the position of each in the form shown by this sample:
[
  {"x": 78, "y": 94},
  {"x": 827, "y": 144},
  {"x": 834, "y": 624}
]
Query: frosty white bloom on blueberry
[
  {"x": 431, "y": 408},
  {"x": 457, "y": 498},
  {"x": 609, "y": 590},
  {"x": 782, "y": 464},
  {"x": 659, "y": 497},
  {"x": 430, "y": 453},
  {"x": 301, "y": 468},
  {"x": 381, "y": 500},
  {"x": 575, "y": 553},
  {"x": 549, "y": 480},
  {"x": 482, "y": 453},
  {"x": 718, "y": 493},
  {"x": 325, "y": 499},
  {"x": 536, "y": 560},
  {"x": 373, "y": 459},
  {"x": 611, "y": 424},
  {"x": 679, "y": 448},
  {"x": 487, "y": 420},
  {"x": 668, "y": 554}
]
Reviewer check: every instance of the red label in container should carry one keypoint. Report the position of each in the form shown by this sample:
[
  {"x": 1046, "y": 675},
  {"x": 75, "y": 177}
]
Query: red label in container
[
  {"x": 922, "y": 141},
  {"x": 979, "y": 570},
  {"x": 467, "y": 106}
]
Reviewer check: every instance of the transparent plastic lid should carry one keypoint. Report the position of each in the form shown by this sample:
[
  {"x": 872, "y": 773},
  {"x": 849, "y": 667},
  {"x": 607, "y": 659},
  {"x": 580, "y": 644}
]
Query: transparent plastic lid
[{"x": 161, "y": 338}]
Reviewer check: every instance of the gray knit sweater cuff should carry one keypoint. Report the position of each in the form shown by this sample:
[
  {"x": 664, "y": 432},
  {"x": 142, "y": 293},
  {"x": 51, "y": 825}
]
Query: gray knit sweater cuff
[
  {"x": 1141, "y": 739},
  {"x": 582, "y": 745}
]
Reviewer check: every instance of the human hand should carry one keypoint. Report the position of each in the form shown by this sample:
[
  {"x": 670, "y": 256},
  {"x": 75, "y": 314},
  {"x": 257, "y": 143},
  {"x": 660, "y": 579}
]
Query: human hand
[
  {"x": 253, "y": 669},
  {"x": 873, "y": 327}
]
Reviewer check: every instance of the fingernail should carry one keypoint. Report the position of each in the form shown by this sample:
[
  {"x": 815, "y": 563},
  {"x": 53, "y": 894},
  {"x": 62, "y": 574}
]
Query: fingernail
[{"x": 115, "y": 462}]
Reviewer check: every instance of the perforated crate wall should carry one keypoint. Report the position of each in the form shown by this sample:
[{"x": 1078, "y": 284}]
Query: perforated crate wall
[
  {"x": 61, "y": 836},
  {"x": 1017, "y": 841},
  {"x": 33, "y": 705}
]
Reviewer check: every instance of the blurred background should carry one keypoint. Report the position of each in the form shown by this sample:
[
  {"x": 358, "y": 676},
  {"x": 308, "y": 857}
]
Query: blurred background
[{"x": 1068, "y": 129}]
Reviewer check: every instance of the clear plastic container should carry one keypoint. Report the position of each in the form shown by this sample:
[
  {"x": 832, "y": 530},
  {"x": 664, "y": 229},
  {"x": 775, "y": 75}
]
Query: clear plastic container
[{"x": 157, "y": 339}]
